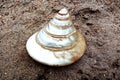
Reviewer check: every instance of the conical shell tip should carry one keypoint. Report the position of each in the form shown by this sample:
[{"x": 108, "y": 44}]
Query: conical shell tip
[{"x": 63, "y": 11}]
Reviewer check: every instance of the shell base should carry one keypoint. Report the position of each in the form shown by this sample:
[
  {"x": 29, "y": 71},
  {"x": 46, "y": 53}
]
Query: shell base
[{"x": 55, "y": 58}]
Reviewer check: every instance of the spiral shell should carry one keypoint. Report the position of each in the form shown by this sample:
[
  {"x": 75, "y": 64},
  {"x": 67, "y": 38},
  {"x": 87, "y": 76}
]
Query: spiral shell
[{"x": 58, "y": 43}]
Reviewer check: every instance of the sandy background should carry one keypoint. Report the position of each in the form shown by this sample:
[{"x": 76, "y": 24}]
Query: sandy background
[{"x": 98, "y": 20}]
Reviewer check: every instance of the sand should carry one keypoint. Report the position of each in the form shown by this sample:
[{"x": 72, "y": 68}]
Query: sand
[{"x": 97, "y": 20}]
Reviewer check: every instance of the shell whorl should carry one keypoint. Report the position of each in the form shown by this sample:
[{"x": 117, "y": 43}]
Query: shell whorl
[
  {"x": 59, "y": 29},
  {"x": 61, "y": 20},
  {"x": 61, "y": 23},
  {"x": 63, "y": 15}
]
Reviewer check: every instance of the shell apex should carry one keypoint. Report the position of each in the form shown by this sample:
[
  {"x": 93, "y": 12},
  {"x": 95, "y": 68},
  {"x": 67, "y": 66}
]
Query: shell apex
[{"x": 63, "y": 11}]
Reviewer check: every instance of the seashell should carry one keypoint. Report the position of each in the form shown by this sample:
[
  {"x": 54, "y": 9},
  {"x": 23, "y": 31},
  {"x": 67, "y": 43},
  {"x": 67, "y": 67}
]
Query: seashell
[{"x": 58, "y": 43}]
